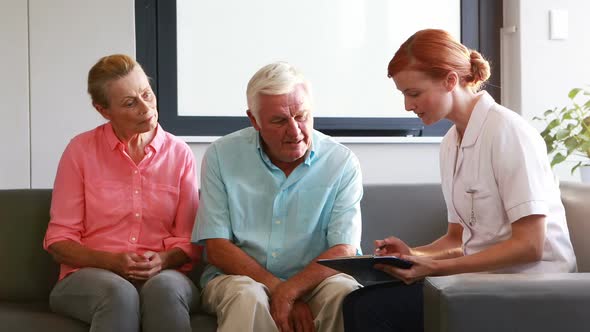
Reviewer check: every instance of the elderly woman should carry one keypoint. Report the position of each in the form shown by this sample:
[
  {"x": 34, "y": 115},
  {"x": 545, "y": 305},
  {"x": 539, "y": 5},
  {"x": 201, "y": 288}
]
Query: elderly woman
[{"x": 124, "y": 203}]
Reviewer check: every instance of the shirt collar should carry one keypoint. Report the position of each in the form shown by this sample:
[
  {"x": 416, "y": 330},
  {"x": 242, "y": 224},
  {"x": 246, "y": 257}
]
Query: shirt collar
[
  {"x": 310, "y": 155},
  {"x": 114, "y": 142},
  {"x": 477, "y": 119}
]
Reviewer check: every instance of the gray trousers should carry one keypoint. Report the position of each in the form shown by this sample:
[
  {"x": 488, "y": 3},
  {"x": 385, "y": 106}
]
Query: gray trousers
[{"x": 111, "y": 303}]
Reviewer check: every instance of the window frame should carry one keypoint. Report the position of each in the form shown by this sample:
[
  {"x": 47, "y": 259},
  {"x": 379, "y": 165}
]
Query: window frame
[{"x": 155, "y": 23}]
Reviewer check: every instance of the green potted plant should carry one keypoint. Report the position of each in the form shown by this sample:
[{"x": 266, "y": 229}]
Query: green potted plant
[{"x": 567, "y": 131}]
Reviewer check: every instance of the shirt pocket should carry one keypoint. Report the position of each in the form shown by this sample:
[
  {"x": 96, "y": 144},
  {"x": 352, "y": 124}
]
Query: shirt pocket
[
  {"x": 313, "y": 209},
  {"x": 107, "y": 203},
  {"x": 161, "y": 202},
  {"x": 487, "y": 213}
]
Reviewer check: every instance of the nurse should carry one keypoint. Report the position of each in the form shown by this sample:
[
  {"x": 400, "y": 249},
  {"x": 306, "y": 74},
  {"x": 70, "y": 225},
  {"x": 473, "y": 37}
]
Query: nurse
[{"x": 504, "y": 208}]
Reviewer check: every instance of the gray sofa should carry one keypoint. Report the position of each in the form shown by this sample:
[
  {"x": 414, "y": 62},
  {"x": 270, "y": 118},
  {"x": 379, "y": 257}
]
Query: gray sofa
[{"x": 415, "y": 213}]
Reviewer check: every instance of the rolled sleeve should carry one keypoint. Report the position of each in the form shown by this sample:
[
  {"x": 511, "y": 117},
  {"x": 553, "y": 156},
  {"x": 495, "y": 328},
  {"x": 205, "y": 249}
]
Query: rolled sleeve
[
  {"x": 67, "y": 203},
  {"x": 345, "y": 222},
  {"x": 186, "y": 212}
]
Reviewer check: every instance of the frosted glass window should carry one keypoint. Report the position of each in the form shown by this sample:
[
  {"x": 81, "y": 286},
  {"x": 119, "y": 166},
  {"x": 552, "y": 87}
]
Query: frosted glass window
[{"x": 342, "y": 46}]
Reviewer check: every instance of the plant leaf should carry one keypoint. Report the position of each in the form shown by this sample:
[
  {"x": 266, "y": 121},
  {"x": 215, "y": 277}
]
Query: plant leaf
[
  {"x": 549, "y": 142},
  {"x": 562, "y": 133},
  {"x": 571, "y": 144},
  {"x": 557, "y": 159},
  {"x": 553, "y": 124},
  {"x": 573, "y": 92},
  {"x": 548, "y": 112},
  {"x": 585, "y": 148}
]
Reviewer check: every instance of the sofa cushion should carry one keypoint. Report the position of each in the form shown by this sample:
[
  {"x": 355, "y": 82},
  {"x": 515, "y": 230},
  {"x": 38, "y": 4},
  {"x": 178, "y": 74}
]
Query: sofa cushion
[
  {"x": 28, "y": 271},
  {"x": 35, "y": 316},
  {"x": 415, "y": 213},
  {"x": 576, "y": 200},
  {"x": 507, "y": 302}
]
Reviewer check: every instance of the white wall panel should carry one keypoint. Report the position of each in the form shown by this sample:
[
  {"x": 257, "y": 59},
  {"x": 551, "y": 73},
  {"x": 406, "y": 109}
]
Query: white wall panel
[
  {"x": 550, "y": 68},
  {"x": 14, "y": 96},
  {"x": 66, "y": 38}
]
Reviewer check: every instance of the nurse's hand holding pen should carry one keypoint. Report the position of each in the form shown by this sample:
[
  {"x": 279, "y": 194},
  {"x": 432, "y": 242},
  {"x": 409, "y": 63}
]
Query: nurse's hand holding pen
[{"x": 391, "y": 246}]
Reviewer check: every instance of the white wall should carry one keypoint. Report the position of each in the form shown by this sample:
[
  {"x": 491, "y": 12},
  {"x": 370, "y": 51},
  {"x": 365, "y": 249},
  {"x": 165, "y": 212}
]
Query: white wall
[
  {"x": 545, "y": 70},
  {"x": 386, "y": 162},
  {"x": 14, "y": 95},
  {"x": 52, "y": 44},
  {"x": 66, "y": 38}
]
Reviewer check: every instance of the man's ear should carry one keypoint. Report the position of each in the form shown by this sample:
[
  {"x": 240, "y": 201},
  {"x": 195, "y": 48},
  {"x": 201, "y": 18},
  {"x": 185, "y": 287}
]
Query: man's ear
[
  {"x": 253, "y": 120},
  {"x": 103, "y": 111},
  {"x": 451, "y": 80}
]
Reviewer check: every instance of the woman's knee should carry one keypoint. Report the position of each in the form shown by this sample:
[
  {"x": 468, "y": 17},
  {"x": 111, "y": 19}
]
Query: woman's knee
[
  {"x": 170, "y": 287},
  {"x": 121, "y": 294}
]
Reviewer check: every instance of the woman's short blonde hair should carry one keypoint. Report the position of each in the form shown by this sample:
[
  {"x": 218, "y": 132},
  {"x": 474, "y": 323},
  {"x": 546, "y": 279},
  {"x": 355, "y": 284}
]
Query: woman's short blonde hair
[{"x": 107, "y": 69}]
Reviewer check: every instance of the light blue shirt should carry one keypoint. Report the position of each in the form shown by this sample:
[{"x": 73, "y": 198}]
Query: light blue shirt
[{"x": 281, "y": 222}]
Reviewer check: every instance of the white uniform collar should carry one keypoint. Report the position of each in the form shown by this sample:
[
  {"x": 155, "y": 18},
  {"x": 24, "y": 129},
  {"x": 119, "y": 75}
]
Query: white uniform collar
[{"x": 477, "y": 119}]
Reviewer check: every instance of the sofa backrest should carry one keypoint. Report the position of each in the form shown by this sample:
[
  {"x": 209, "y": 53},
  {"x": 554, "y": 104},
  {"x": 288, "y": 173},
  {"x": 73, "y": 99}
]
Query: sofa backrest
[
  {"x": 28, "y": 271},
  {"x": 576, "y": 200},
  {"x": 415, "y": 213}
]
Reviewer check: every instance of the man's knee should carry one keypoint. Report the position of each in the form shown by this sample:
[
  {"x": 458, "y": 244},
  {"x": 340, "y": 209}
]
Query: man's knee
[
  {"x": 237, "y": 292},
  {"x": 246, "y": 291},
  {"x": 337, "y": 287}
]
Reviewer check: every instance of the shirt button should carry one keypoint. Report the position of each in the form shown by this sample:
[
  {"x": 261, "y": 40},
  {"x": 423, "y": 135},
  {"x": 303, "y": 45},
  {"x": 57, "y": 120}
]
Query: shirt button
[
  {"x": 274, "y": 254},
  {"x": 135, "y": 172},
  {"x": 137, "y": 215},
  {"x": 278, "y": 222},
  {"x": 137, "y": 191},
  {"x": 133, "y": 239}
]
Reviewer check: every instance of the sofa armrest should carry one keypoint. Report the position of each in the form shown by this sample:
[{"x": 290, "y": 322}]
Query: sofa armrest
[{"x": 507, "y": 302}]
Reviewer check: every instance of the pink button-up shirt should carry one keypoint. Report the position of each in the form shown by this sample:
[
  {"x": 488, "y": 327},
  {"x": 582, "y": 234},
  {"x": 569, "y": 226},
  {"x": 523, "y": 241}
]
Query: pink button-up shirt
[{"x": 104, "y": 201}]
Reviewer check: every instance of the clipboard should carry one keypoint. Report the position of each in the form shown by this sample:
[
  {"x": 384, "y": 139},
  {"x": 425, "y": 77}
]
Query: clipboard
[{"x": 361, "y": 267}]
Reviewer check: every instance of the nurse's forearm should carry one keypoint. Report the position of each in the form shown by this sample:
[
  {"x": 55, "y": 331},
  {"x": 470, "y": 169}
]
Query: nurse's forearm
[
  {"x": 443, "y": 248},
  {"x": 447, "y": 246},
  {"x": 524, "y": 246}
]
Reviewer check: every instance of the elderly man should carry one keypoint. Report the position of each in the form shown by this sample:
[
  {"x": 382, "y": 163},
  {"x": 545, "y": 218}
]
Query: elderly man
[{"x": 275, "y": 197}]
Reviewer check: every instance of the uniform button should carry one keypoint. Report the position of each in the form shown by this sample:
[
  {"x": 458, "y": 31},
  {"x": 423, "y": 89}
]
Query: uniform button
[
  {"x": 135, "y": 172},
  {"x": 137, "y": 191},
  {"x": 274, "y": 254},
  {"x": 137, "y": 215},
  {"x": 133, "y": 239},
  {"x": 278, "y": 222}
]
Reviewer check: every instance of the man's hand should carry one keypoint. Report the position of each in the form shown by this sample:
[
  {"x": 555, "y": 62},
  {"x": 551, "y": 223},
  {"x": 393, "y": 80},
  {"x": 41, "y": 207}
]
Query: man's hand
[
  {"x": 302, "y": 317},
  {"x": 290, "y": 314},
  {"x": 281, "y": 305}
]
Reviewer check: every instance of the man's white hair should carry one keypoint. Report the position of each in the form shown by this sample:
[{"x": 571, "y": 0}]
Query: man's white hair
[{"x": 277, "y": 78}]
